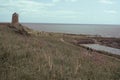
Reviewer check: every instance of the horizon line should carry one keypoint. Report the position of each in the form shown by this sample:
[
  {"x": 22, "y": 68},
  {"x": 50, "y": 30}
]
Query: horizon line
[{"x": 63, "y": 23}]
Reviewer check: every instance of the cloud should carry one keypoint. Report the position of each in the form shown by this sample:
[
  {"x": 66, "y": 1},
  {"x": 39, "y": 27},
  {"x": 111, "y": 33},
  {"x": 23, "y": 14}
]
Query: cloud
[
  {"x": 106, "y": 1},
  {"x": 71, "y": 0},
  {"x": 33, "y": 7},
  {"x": 110, "y": 11},
  {"x": 59, "y": 13},
  {"x": 56, "y": 1},
  {"x": 37, "y": 10},
  {"x": 24, "y": 5},
  {"x": 29, "y": 4},
  {"x": 74, "y": 0}
]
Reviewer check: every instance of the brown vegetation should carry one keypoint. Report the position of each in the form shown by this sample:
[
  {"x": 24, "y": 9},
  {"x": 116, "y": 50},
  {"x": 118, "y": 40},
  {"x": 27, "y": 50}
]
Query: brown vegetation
[{"x": 45, "y": 57}]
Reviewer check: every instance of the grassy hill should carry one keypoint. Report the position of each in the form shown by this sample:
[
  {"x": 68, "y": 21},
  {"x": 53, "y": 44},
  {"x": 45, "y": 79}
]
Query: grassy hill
[{"x": 44, "y": 56}]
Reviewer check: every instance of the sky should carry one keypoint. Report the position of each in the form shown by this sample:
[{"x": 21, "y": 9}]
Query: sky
[{"x": 62, "y": 11}]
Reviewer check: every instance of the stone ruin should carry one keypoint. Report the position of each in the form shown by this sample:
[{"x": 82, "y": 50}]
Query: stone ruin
[
  {"x": 16, "y": 26},
  {"x": 15, "y": 19}
]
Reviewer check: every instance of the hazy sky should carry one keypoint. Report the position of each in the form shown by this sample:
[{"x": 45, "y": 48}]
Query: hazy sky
[{"x": 62, "y": 11}]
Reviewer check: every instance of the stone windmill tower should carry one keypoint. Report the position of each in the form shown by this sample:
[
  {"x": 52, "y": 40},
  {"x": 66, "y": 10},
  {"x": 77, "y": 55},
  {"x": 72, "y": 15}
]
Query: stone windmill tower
[{"x": 15, "y": 19}]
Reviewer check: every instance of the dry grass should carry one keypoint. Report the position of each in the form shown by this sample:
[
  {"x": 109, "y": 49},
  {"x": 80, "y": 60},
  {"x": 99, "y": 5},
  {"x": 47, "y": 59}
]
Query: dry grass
[{"x": 47, "y": 58}]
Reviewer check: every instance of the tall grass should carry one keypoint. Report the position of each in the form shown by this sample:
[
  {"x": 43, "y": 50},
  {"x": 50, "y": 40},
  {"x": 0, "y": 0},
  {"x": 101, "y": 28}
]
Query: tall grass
[{"x": 47, "y": 58}]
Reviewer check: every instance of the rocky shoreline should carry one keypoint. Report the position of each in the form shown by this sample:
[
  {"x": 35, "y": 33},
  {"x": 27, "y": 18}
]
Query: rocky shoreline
[{"x": 86, "y": 39}]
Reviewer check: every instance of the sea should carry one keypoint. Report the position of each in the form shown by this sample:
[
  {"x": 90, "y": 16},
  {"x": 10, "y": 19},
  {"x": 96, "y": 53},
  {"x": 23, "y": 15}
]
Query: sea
[{"x": 87, "y": 29}]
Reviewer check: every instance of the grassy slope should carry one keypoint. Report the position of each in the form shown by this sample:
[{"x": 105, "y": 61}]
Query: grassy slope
[{"x": 47, "y": 58}]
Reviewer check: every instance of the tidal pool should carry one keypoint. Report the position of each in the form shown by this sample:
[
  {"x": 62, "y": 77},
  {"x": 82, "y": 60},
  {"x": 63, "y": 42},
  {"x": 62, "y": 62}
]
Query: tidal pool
[{"x": 103, "y": 48}]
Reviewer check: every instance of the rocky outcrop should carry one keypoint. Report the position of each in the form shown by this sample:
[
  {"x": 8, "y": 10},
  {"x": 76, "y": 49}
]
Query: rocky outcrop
[{"x": 85, "y": 41}]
